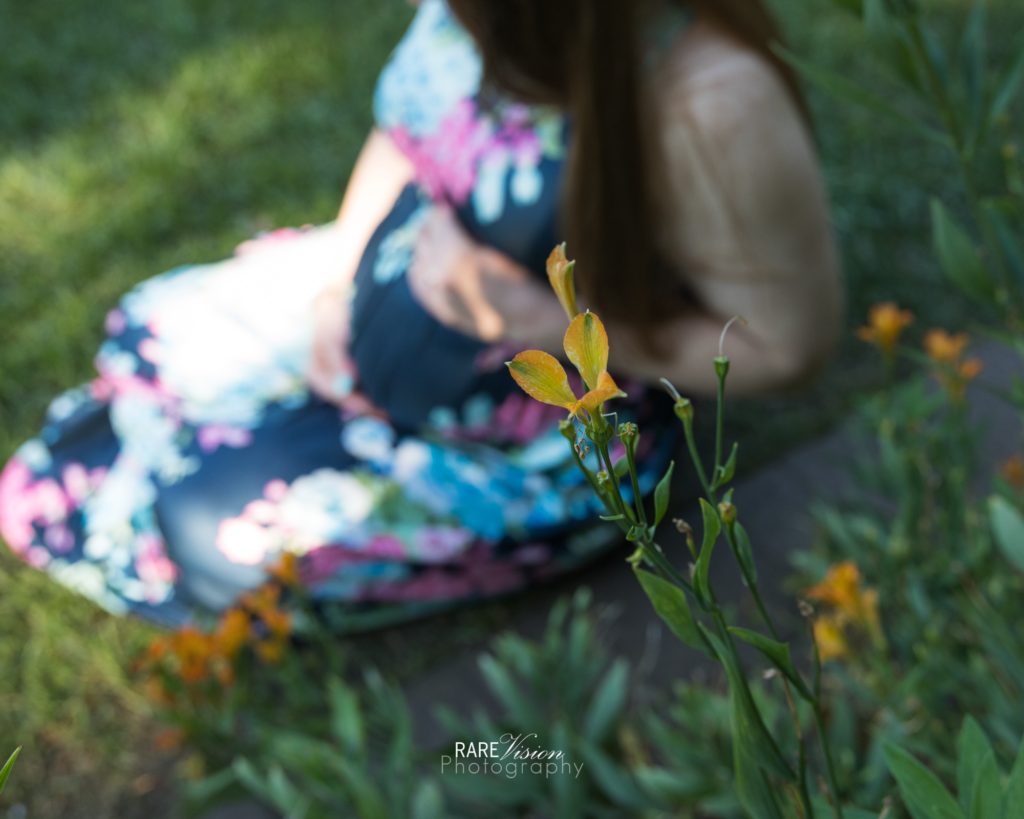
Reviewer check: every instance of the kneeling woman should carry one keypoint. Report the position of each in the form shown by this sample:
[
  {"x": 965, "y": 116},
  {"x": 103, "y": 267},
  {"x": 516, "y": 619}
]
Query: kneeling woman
[{"x": 340, "y": 393}]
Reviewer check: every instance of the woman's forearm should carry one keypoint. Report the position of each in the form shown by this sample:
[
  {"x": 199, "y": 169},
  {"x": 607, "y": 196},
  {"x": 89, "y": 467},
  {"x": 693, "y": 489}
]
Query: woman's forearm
[{"x": 379, "y": 175}]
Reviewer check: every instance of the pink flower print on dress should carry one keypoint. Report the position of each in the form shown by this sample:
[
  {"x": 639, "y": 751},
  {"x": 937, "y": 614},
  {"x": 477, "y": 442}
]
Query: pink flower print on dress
[
  {"x": 16, "y": 508},
  {"x": 76, "y": 483},
  {"x": 439, "y": 544},
  {"x": 242, "y": 541},
  {"x": 446, "y": 161},
  {"x": 387, "y": 547},
  {"x": 153, "y": 566},
  {"x": 275, "y": 490},
  {"x": 116, "y": 322},
  {"x": 211, "y": 436}
]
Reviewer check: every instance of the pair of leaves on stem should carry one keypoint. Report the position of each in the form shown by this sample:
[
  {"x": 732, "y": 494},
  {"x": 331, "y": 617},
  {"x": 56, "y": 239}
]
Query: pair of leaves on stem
[{"x": 542, "y": 377}]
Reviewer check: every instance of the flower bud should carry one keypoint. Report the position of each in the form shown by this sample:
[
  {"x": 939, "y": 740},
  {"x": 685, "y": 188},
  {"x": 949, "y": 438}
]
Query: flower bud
[
  {"x": 728, "y": 513},
  {"x": 721, "y": 366},
  {"x": 684, "y": 410}
]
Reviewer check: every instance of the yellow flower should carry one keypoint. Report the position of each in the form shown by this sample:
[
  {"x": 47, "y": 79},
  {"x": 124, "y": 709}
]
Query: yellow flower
[
  {"x": 840, "y": 588},
  {"x": 830, "y": 637},
  {"x": 542, "y": 377},
  {"x": 560, "y": 274},
  {"x": 885, "y": 325},
  {"x": 947, "y": 351}
]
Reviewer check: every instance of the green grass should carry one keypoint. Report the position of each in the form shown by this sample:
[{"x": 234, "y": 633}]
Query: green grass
[{"x": 137, "y": 136}]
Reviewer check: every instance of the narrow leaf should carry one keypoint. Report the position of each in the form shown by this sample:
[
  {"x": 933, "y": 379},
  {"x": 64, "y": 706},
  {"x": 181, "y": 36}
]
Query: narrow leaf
[
  {"x": 971, "y": 748},
  {"x": 1008, "y": 529},
  {"x": 972, "y": 66},
  {"x": 778, "y": 654},
  {"x": 748, "y": 726},
  {"x": 671, "y": 605},
  {"x": 1009, "y": 82},
  {"x": 712, "y": 526},
  {"x": 661, "y": 494},
  {"x": 985, "y": 800},
  {"x": 959, "y": 257},
  {"x": 842, "y": 89},
  {"x": 586, "y": 345},
  {"x": 1013, "y": 795},
  {"x": 745, "y": 554},
  {"x": 922, "y": 792},
  {"x": 8, "y": 766},
  {"x": 346, "y": 717},
  {"x": 608, "y": 702}
]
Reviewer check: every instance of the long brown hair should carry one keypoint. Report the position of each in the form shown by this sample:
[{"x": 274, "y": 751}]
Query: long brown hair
[{"x": 584, "y": 55}]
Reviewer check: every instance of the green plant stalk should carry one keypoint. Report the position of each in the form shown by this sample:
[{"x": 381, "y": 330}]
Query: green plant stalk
[
  {"x": 637, "y": 497},
  {"x": 830, "y": 770},
  {"x": 947, "y": 113},
  {"x": 730, "y": 536},
  {"x": 691, "y": 444}
]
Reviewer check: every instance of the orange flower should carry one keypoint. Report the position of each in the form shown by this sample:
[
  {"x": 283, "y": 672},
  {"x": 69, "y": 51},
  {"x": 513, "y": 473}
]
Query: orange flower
[
  {"x": 232, "y": 632},
  {"x": 560, "y": 274},
  {"x": 225, "y": 675},
  {"x": 157, "y": 650},
  {"x": 263, "y": 599},
  {"x": 1013, "y": 470},
  {"x": 947, "y": 351},
  {"x": 278, "y": 622},
  {"x": 157, "y": 692},
  {"x": 271, "y": 651},
  {"x": 286, "y": 570},
  {"x": 193, "y": 650},
  {"x": 885, "y": 325},
  {"x": 169, "y": 739},
  {"x": 840, "y": 588},
  {"x": 943, "y": 348}
]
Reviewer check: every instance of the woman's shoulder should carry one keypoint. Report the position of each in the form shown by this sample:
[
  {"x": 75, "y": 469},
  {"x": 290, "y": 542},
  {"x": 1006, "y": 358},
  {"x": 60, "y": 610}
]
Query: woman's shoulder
[{"x": 716, "y": 82}]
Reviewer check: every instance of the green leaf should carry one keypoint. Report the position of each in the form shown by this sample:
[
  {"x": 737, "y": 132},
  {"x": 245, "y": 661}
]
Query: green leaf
[
  {"x": 621, "y": 467},
  {"x": 613, "y": 780},
  {"x": 959, "y": 257},
  {"x": 250, "y": 778},
  {"x": 842, "y": 89},
  {"x": 971, "y": 748},
  {"x": 1013, "y": 795},
  {"x": 670, "y": 603},
  {"x": 608, "y": 702},
  {"x": 1008, "y": 529},
  {"x": 752, "y": 788},
  {"x": 428, "y": 801},
  {"x": 1009, "y": 82},
  {"x": 985, "y": 800},
  {"x": 745, "y": 553},
  {"x": 778, "y": 654},
  {"x": 283, "y": 793},
  {"x": 1008, "y": 241},
  {"x": 890, "y": 42},
  {"x": 8, "y": 766},
  {"x": 346, "y": 718},
  {"x": 661, "y": 495},
  {"x": 823, "y": 809},
  {"x": 712, "y": 526},
  {"x": 972, "y": 67},
  {"x": 922, "y": 792},
  {"x": 505, "y": 689},
  {"x": 725, "y": 472},
  {"x": 748, "y": 727}
]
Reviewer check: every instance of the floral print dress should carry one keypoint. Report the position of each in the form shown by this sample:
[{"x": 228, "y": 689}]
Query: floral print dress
[{"x": 198, "y": 456}]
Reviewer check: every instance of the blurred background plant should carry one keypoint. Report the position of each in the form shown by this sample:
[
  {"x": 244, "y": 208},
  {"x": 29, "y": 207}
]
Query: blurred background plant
[{"x": 138, "y": 136}]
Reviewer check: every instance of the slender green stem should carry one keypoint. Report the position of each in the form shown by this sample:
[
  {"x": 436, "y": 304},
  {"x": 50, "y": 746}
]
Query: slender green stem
[
  {"x": 638, "y": 499},
  {"x": 691, "y": 444},
  {"x": 830, "y": 770},
  {"x": 719, "y": 425}
]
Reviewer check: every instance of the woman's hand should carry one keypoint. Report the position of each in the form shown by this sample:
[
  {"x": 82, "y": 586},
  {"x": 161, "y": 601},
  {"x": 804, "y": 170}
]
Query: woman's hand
[
  {"x": 332, "y": 373},
  {"x": 461, "y": 283}
]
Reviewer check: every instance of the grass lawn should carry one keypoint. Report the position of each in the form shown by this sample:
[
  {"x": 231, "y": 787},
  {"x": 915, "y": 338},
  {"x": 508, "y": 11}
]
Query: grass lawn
[{"x": 139, "y": 136}]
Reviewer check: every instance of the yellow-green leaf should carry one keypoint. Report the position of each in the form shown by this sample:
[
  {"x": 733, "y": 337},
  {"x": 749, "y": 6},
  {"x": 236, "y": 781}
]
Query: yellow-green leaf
[
  {"x": 605, "y": 390},
  {"x": 542, "y": 377},
  {"x": 560, "y": 274},
  {"x": 586, "y": 345}
]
